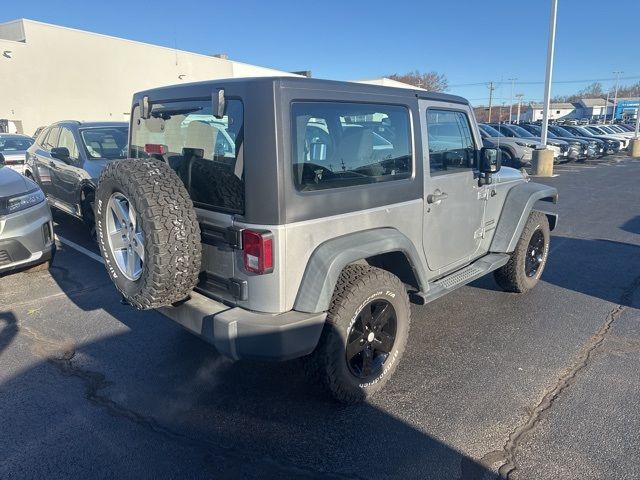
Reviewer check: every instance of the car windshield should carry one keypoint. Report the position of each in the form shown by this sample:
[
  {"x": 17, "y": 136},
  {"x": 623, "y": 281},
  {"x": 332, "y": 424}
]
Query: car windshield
[
  {"x": 608, "y": 130},
  {"x": 536, "y": 130},
  {"x": 105, "y": 142},
  {"x": 583, "y": 131},
  {"x": 489, "y": 130},
  {"x": 563, "y": 132},
  {"x": 521, "y": 132},
  {"x": 14, "y": 143}
]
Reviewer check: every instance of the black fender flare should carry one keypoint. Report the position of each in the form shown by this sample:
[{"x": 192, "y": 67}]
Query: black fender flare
[
  {"x": 329, "y": 259},
  {"x": 518, "y": 205}
]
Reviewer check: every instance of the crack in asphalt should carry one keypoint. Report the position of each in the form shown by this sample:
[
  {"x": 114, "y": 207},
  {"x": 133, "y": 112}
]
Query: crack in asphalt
[
  {"x": 506, "y": 457},
  {"x": 61, "y": 354}
]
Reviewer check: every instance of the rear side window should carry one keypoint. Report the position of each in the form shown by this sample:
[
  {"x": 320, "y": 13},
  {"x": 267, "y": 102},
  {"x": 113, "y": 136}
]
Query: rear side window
[
  {"x": 205, "y": 151},
  {"x": 451, "y": 146},
  {"x": 346, "y": 144}
]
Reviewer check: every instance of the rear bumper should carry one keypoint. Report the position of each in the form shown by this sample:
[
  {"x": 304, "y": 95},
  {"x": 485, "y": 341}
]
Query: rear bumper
[
  {"x": 239, "y": 333},
  {"x": 26, "y": 238}
]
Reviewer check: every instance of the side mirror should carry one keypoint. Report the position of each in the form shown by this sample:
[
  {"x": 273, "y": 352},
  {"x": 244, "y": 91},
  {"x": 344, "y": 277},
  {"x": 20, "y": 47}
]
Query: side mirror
[
  {"x": 490, "y": 160},
  {"x": 2, "y": 160},
  {"x": 490, "y": 163},
  {"x": 61, "y": 153}
]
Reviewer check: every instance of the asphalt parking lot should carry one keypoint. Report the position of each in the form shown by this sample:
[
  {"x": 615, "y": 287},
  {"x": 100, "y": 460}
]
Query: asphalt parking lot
[{"x": 540, "y": 386}]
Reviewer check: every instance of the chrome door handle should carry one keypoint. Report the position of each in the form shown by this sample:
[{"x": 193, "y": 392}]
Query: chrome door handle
[{"x": 437, "y": 197}]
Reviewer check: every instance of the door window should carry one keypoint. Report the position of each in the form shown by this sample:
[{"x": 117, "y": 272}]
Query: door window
[
  {"x": 52, "y": 138},
  {"x": 451, "y": 146},
  {"x": 66, "y": 140},
  {"x": 347, "y": 144}
]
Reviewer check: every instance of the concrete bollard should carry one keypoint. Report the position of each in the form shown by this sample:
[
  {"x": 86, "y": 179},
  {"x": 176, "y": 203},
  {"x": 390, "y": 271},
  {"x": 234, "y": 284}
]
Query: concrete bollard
[
  {"x": 634, "y": 147},
  {"x": 542, "y": 163}
]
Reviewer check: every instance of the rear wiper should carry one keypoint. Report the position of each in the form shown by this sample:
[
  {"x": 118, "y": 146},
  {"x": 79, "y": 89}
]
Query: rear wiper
[{"x": 167, "y": 113}]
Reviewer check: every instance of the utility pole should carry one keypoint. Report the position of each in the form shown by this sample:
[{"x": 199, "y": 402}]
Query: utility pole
[
  {"x": 547, "y": 80},
  {"x": 513, "y": 81},
  {"x": 615, "y": 97},
  {"x": 519, "y": 97},
  {"x": 491, "y": 87}
]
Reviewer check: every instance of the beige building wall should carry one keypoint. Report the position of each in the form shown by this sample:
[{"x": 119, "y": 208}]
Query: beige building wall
[{"x": 50, "y": 73}]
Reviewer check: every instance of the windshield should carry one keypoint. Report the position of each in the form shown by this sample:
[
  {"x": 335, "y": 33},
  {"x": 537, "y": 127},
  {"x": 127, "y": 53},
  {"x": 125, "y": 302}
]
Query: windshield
[
  {"x": 561, "y": 131},
  {"x": 608, "y": 130},
  {"x": 492, "y": 132},
  {"x": 105, "y": 142},
  {"x": 203, "y": 150},
  {"x": 583, "y": 131},
  {"x": 14, "y": 143},
  {"x": 520, "y": 131}
]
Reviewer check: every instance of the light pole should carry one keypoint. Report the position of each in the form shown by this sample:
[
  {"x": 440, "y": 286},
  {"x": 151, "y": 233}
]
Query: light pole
[
  {"x": 513, "y": 81},
  {"x": 491, "y": 89},
  {"x": 547, "y": 80},
  {"x": 519, "y": 96},
  {"x": 606, "y": 106},
  {"x": 615, "y": 97}
]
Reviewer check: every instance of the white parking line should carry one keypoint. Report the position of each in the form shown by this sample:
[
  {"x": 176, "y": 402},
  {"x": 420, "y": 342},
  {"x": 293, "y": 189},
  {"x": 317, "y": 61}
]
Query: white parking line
[{"x": 79, "y": 248}]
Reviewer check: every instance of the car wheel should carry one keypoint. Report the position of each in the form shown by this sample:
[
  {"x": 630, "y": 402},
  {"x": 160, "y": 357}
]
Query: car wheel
[
  {"x": 508, "y": 159},
  {"x": 364, "y": 336},
  {"x": 88, "y": 213},
  {"x": 524, "y": 268},
  {"x": 148, "y": 232}
]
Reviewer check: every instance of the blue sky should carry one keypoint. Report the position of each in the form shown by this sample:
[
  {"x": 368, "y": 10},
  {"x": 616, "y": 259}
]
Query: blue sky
[{"x": 470, "y": 41}]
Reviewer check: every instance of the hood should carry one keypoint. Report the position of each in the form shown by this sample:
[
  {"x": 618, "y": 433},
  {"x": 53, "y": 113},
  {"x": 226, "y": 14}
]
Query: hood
[
  {"x": 512, "y": 140},
  {"x": 12, "y": 183}
]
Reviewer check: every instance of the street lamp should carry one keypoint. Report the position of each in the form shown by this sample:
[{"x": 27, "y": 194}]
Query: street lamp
[
  {"x": 513, "y": 81},
  {"x": 615, "y": 97},
  {"x": 547, "y": 80},
  {"x": 519, "y": 96}
]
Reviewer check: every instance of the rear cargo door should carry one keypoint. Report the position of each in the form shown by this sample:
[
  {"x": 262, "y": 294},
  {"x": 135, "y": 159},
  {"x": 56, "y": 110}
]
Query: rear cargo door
[{"x": 206, "y": 153}]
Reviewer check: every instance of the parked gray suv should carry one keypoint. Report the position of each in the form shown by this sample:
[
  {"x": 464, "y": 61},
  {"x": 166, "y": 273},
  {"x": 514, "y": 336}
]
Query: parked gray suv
[
  {"x": 286, "y": 217},
  {"x": 26, "y": 229},
  {"x": 66, "y": 160}
]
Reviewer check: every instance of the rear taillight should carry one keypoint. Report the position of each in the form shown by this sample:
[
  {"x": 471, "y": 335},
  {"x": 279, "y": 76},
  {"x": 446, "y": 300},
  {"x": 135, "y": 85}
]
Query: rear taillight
[{"x": 257, "y": 249}]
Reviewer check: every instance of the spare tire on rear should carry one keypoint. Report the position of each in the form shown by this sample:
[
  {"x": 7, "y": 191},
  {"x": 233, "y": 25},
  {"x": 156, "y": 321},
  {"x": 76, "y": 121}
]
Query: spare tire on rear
[{"x": 148, "y": 232}]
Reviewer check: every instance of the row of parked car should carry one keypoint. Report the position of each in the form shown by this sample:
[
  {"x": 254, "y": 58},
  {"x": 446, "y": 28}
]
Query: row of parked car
[
  {"x": 61, "y": 164},
  {"x": 569, "y": 142}
]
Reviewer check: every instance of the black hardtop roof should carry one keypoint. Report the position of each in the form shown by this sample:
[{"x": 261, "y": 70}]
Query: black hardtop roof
[{"x": 204, "y": 88}]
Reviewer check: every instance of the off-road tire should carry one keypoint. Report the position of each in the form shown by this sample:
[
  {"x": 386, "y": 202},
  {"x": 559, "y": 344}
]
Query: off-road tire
[
  {"x": 172, "y": 248},
  {"x": 512, "y": 276},
  {"x": 357, "y": 286}
]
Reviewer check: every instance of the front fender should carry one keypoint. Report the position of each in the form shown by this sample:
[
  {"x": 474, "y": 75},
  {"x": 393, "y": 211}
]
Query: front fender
[
  {"x": 329, "y": 259},
  {"x": 518, "y": 205}
]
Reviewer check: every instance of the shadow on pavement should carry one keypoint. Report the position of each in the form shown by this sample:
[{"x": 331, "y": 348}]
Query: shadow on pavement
[
  {"x": 632, "y": 225},
  {"x": 201, "y": 415},
  {"x": 8, "y": 329},
  {"x": 603, "y": 269}
]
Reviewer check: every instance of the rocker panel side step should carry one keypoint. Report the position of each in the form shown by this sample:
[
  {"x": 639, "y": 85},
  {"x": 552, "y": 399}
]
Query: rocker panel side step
[{"x": 461, "y": 277}]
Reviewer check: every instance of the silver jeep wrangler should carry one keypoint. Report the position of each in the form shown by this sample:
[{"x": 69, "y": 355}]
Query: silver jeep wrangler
[{"x": 287, "y": 217}]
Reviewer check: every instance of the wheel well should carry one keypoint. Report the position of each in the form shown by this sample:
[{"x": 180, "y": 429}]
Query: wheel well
[
  {"x": 398, "y": 264},
  {"x": 509, "y": 150},
  {"x": 85, "y": 190}
]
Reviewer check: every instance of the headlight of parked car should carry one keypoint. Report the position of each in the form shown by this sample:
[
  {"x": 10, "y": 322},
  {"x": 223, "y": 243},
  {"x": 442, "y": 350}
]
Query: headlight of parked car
[{"x": 15, "y": 203}]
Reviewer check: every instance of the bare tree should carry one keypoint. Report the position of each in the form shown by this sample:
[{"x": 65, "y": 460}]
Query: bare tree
[{"x": 432, "y": 81}]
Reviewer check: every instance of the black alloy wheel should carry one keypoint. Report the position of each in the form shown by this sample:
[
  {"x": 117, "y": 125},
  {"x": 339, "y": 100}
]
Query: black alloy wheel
[
  {"x": 535, "y": 254},
  {"x": 371, "y": 339}
]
